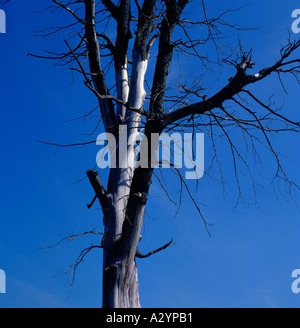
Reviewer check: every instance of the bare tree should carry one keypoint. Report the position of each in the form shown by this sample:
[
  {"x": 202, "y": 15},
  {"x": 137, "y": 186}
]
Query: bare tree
[{"x": 160, "y": 30}]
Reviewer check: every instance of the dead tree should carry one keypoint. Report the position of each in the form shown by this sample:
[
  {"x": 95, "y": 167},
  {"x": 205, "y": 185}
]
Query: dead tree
[{"x": 160, "y": 29}]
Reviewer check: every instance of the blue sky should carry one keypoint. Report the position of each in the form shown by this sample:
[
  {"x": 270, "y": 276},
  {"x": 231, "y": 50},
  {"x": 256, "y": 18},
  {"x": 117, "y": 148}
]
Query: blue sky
[{"x": 247, "y": 261}]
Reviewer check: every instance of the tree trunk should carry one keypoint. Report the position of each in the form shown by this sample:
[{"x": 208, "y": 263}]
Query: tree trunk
[{"x": 120, "y": 282}]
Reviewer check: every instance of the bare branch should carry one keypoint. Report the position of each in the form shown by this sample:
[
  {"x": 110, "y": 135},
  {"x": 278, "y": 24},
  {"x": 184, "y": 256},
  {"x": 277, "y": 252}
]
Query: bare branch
[
  {"x": 69, "y": 10},
  {"x": 111, "y": 7},
  {"x": 67, "y": 145},
  {"x": 73, "y": 267},
  {"x": 143, "y": 256},
  {"x": 98, "y": 188},
  {"x": 71, "y": 237},
  {"x": 107, "y": 108},
  {"x": 164, "y": 57},
  {"x": 235, "y": 86}
]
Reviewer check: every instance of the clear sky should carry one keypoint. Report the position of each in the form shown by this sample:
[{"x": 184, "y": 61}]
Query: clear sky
[{"x": 249, "y": 257}]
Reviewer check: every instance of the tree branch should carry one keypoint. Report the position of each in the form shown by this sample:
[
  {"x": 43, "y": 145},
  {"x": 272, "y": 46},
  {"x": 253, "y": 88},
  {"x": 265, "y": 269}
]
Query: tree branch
[
  {"x": 107, "y": 108},
  {"x": 143, "y": 256},
  {"x": 98, "y": 188},
  {"x": 111, "y": 7},
  {"x": 235, "y": 86},
  {"x": 69, "y": 10},
  {"x": 164, "y": 57}
]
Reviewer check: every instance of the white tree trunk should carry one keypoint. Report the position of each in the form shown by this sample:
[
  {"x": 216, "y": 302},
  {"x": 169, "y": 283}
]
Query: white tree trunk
[{"x": 120, "y": 280}]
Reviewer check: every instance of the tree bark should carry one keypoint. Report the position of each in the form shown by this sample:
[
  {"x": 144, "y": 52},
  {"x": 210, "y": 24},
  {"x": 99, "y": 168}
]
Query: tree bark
[{"x": 120, "y": 282}]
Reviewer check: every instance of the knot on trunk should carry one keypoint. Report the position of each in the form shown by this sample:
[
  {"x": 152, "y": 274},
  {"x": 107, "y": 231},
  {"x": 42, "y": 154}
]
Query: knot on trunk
[
  {"x": 156, "y": 116},
  {"x": 140, "y": 197}
]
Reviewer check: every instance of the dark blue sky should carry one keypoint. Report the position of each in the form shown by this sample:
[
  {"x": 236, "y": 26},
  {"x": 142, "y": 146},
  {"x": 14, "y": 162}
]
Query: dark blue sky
[{"x": 247, "y": 261}]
